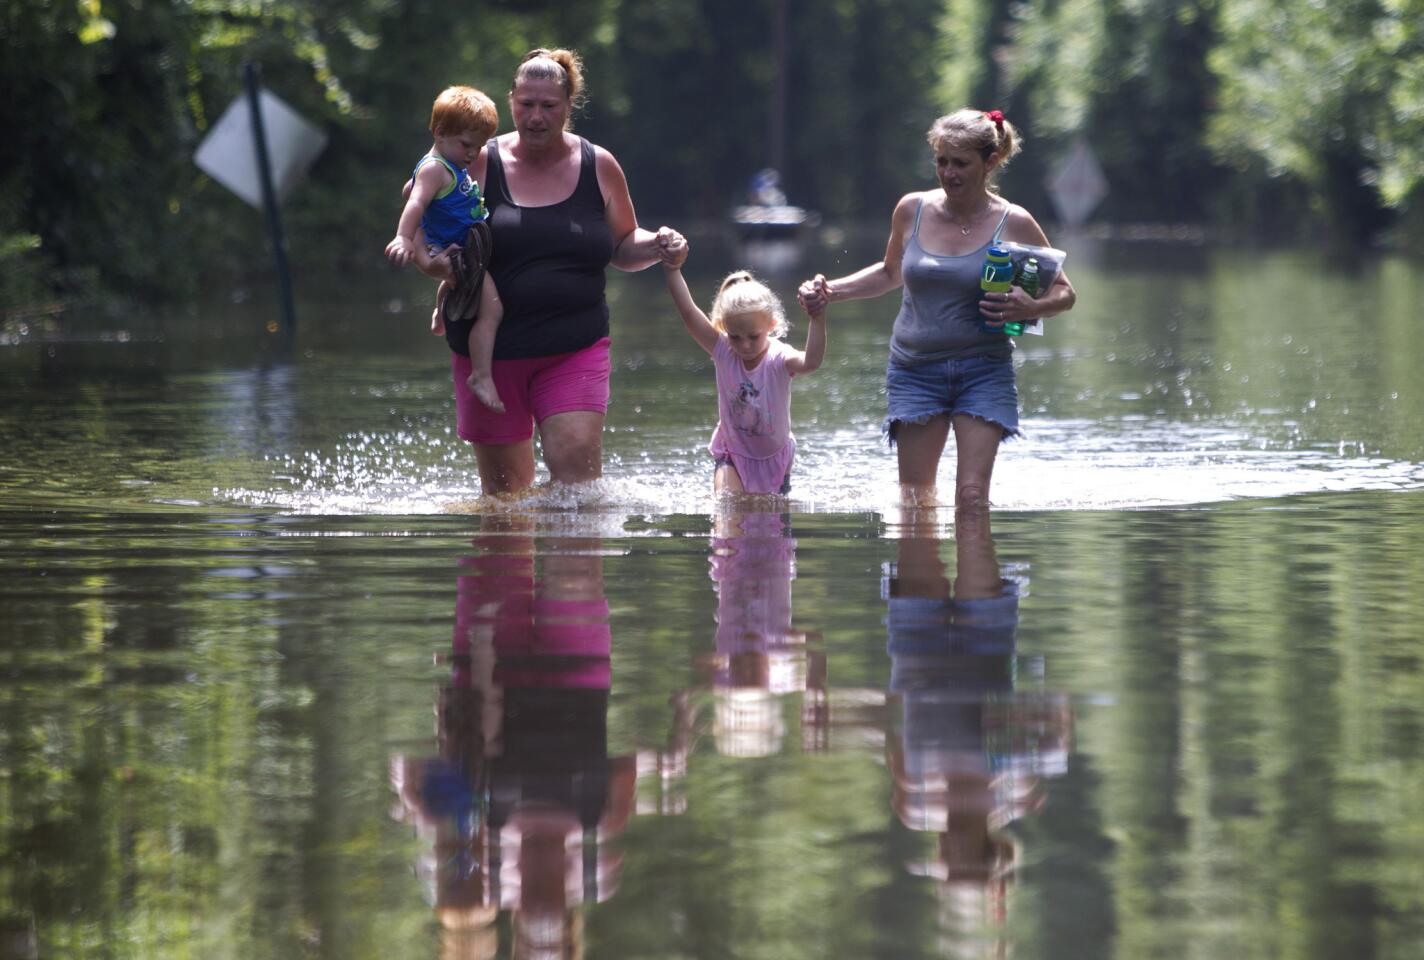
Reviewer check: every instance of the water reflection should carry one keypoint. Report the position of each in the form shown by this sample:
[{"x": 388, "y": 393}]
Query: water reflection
[
  {"x": 970, "y": 744},
  {"x": 759, "y": 657},
  {"x": 198, "y": 713},
  {"x": 969, "y": 735},
  {"x": 520, "y": 803}
]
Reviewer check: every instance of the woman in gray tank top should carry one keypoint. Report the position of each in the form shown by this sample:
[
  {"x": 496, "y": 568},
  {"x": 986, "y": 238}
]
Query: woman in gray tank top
[{"x": 946, "y": 371}]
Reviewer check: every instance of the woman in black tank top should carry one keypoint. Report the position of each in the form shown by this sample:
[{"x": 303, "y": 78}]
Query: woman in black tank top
[
  {"x": 549, "y": 263},
  {"x": 560, "y": 214}
]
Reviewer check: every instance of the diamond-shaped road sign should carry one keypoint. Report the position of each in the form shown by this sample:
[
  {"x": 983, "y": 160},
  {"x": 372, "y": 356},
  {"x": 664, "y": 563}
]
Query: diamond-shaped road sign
[
  {"x": 229, "y": 156},
  {"x": 1078, "y": 185}
]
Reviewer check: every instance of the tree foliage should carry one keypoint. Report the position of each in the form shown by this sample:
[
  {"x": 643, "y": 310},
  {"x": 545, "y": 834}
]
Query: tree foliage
[
  {"x": 1239, "y": 112},
  {"x": 1328, "y": 95}
]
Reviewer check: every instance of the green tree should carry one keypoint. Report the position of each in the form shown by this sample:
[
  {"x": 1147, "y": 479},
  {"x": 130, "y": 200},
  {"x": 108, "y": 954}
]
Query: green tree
[
  {"x": 1132, "y": 77},
  {"x": 1327, "y": 95},
  {"x": 685, "y": 93},
  {"x": 105, "y": 104}
]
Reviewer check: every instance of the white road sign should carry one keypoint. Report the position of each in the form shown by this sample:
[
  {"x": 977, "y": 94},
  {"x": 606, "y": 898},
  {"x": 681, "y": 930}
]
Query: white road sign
[
  {"x": 1078, "y": 185},
  {"x": 229, "y": 155}
]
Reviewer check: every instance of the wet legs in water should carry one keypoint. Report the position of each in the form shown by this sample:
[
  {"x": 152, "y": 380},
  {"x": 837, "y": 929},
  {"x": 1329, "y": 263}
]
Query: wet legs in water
[
  {"x": 920, "y": 446},
  {"x": 572, "y": 444}
]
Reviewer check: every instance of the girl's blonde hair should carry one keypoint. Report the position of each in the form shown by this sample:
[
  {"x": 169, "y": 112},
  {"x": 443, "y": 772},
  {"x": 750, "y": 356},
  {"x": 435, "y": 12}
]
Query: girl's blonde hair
[{"x": 741, "y": 294}]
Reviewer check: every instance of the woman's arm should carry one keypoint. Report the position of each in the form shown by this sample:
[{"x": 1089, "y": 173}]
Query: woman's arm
[
  {"x": 634, "y": 248},
  {"x": 638, "y": 250},
  {"x": 874, "y": 279},
  {"x": 692, "y": 316},
  {"x": 1060, "y": 295}
]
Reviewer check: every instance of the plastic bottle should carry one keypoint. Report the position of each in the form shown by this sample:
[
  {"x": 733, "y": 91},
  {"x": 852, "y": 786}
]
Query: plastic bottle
[
  {"x": 1028, "y": 279},
  {"x": 998, "y": 277}
]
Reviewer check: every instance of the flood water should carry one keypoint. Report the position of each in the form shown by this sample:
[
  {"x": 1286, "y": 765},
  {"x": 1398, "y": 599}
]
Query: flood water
[{"x": 278, "y": 683}]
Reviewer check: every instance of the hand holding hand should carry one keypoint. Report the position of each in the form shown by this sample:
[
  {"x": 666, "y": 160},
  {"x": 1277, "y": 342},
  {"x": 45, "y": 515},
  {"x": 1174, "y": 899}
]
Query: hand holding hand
[
  {"x": 814, "y": 295},
  {"x": 672, "y": 248}
]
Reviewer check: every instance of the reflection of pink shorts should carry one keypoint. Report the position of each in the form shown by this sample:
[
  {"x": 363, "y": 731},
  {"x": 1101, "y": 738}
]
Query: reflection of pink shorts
[{"x": 532, "y": 390}]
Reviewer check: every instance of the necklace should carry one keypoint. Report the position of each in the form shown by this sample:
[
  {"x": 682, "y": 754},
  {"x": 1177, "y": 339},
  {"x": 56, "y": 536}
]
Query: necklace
[{"x": 966, "y": 225}]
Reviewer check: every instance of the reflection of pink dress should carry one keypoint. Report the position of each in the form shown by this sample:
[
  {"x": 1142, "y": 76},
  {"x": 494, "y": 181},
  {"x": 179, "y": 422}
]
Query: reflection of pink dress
[
  {"x": 753, "y": 571},
  {"x": 754, "y": 429}
]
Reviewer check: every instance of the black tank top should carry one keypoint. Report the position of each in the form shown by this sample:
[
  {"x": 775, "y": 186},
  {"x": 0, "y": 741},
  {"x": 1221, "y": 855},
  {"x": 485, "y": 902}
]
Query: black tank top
[{"x": 548, "y": 264}]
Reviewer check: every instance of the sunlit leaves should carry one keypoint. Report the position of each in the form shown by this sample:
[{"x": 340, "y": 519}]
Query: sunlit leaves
[
  {"x": 1058, "y": 41},
  {"x": 94, "y": 27},
  {"x": 1304, "y": 82},
  {"x": 1197, "y": 109},
  {"x": 961, "y": 67}
]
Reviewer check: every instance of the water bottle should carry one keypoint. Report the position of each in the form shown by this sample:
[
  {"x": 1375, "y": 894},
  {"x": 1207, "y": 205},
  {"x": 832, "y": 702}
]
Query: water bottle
[
  {"x": 998, "y": 277},
  {"x": 1028, "y": 277},
  {"x": 1028, "y": 280}
]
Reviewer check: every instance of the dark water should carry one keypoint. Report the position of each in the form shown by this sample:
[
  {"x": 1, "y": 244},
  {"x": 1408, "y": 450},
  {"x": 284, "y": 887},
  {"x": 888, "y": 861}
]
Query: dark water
[{"x": 277, "y": 684}]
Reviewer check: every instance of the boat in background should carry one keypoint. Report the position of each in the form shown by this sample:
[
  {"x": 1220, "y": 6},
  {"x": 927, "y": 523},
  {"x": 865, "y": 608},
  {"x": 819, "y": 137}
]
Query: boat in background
[
  {"x": 769, "y": 232},
  {"x": 767, "y": 215}
]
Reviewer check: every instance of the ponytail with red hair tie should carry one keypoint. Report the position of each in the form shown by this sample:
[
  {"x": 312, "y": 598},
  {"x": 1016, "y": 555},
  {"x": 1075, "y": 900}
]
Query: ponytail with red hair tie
[{"x": 998, "y": 117}]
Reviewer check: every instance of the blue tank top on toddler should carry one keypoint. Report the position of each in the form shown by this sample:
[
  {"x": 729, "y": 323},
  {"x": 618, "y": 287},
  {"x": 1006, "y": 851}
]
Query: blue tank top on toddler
[
  {"x": 939, "y": 311},
  {"x": 450, "y": 215}
]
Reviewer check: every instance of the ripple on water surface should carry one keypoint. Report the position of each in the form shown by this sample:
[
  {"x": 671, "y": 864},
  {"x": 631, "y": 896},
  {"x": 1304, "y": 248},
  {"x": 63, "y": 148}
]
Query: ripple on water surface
[{"x": 1059, "y": 464}]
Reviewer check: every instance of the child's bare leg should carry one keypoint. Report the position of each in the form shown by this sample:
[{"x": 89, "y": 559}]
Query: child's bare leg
[
  {"x": 437, "y": 321},
  {"x": 435, "y": 266},
  {"x": 725, "y": 479},
  {"x": 482, "y": 332}
]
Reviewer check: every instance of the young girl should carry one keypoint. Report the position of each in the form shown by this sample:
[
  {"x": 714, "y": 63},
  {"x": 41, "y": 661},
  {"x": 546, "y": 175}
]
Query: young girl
[{"x": 753, "y": 446}]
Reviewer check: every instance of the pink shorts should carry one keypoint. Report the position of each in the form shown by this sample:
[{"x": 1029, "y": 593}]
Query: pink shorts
[{"x": 532, "y": 390}]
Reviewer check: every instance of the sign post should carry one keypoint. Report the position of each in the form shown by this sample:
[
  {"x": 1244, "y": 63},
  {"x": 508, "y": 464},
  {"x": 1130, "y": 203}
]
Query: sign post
[
  {"x": 259, "y": 148},
  {"x": 251, "y": 79}
]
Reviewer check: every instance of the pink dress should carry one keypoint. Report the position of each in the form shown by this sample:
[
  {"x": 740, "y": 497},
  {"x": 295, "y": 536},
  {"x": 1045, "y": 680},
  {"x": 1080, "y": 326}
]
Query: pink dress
[{"x": 754, "y": 429}]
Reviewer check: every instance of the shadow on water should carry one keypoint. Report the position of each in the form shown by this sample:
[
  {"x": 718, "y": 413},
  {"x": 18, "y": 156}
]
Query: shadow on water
[
  {"x": 976, "y": 738},
  {"x": 522, "y": 803}
]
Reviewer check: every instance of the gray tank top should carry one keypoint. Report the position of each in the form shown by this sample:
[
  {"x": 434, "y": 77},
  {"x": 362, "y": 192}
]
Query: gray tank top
[{"x": 939, "y": 310}]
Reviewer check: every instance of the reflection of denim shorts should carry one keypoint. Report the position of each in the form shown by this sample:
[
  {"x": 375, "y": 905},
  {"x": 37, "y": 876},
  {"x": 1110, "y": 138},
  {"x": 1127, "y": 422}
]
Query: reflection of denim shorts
[{"x": 982, "y": 387}]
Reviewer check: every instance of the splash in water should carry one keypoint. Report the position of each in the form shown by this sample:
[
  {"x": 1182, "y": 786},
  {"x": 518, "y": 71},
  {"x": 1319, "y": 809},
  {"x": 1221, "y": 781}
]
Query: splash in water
[{"x": 1063, "y": 464}]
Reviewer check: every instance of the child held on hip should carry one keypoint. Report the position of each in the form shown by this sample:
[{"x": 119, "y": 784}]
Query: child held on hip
[{"x": 444, "y": 207}]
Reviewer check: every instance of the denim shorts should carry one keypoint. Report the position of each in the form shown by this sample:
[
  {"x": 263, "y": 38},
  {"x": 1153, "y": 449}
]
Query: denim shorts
[{"x": 981, "y": 387}]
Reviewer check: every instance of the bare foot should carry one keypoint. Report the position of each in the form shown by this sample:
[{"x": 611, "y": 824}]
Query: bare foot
[{"x": 481, "y": 384}]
